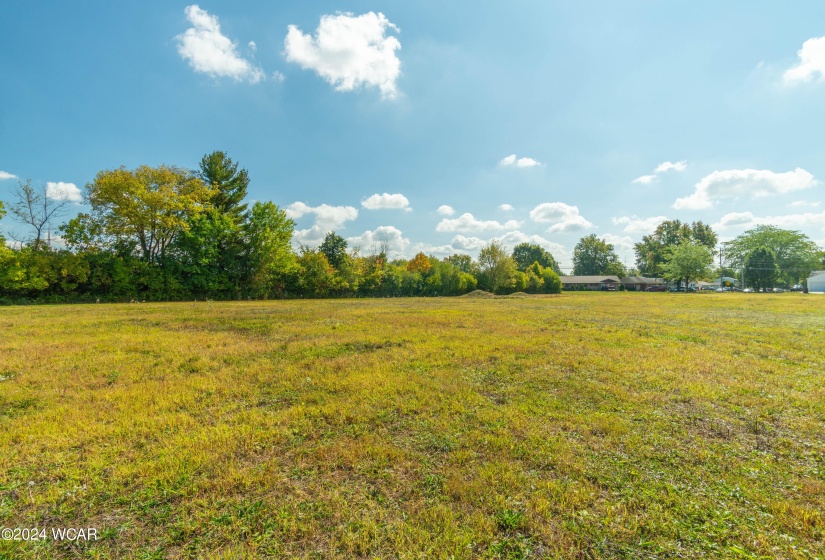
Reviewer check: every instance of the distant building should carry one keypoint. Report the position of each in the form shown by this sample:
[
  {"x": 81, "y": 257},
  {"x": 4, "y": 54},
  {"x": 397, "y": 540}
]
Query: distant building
[
  {"x": 608, "y": 283},
  {"x": 816, "y": 281},
  {"x": 640, "y": 283}
]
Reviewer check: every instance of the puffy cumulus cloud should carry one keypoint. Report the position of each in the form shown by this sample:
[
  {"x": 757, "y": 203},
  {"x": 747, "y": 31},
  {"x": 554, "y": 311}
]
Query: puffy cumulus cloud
[
  {"x": 645, "y": 179},
  {"x": 393, "y": 201},
  {"x": 311, "y": 237},
  {"x": 349, "y": 52},
  {"x": 632, "y": 224},
  {"x": 326, "y": 217},
  {"x": 445, "y": 210},
  {"x": 63, "y": 191},
  {"x": 751, "y": 183},
  {"x": 512, "y": 160},
  {"x": 382, "y": 235},
  {"x": 468, "y": 244},
  {"x": 4, "y": 175},
  {"x": 666, "y": 166},
  {"x": 811, "y": 62},
  {"x": 563, "y": 217},
  {"x": 436, "y": 250},
  {"x": 747, "y": 220},
  {"x": 513, "y": 238},
  {"x": 622, "y": 242},
  {"x": 468, "y": 223},
  {"x": 506, "y": 207},
  {"x": 209, "y": 51}
]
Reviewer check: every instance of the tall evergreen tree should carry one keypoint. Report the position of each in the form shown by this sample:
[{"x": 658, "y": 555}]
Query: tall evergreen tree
[{"x": 218, "y": 171}]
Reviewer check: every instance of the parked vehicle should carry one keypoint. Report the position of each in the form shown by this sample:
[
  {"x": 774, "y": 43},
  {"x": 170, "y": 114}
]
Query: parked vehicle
[
  {"x": 748, "y": 290},
  {"x": 656, "y": 288}
]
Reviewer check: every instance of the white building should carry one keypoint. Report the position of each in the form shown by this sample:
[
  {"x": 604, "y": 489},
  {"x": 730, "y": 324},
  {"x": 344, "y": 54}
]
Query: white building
[{"x": 816, "y": 282}]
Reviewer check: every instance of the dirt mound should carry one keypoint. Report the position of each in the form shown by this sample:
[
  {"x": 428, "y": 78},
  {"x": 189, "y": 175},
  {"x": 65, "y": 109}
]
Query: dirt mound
[{"x": 478, "y": 294}]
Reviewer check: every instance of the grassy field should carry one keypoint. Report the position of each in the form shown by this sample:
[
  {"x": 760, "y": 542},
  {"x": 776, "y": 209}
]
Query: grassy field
[{"x": 586, "y": 425}]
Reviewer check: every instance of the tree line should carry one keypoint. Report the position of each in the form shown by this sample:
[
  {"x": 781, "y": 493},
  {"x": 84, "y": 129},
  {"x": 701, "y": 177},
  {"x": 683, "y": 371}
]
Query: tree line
[{"x": 170, "y": 233}]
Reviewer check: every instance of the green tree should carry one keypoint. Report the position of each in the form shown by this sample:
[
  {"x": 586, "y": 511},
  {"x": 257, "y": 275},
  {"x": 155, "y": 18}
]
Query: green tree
[
  {"x": 687, "y": 261},
  {"x": 496, "y": 268},
  {"x": 760, "y": 269},
  {"x": 593, "y": 256},
  {"x": 270, "y": 258},
  {"x": 464, "y": 263},
  {"x": 229, "y": 185},
  {"x": 796, "y": 255},
  {"x": 147, "y": 207},
  {"x": 653, "y": 249},
  {"x": 334, "y": 248},
  {"x": 525, "y": 254}
]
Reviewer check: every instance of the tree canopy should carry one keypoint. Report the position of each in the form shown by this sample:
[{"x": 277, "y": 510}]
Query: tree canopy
[
  {"x": 148, "y": 206},
  {"x": 795, "y": 254},
  {"x": 525, "y": 254},
  {"x": 760, "y": 269},
  {"x": 229, "y": 185},
  {"x": 652, "y": 250},
  {"x": 687, "y": 261},
  {"x": 593, "y": 256}
]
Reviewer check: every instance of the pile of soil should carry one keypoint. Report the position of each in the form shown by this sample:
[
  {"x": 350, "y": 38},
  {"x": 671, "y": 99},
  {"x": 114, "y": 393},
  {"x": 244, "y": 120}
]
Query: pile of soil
[{"x": 478, "y": 294}]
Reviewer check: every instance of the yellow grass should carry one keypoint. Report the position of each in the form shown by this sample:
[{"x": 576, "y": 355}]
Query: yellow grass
[{"x": 576, "y": 426}]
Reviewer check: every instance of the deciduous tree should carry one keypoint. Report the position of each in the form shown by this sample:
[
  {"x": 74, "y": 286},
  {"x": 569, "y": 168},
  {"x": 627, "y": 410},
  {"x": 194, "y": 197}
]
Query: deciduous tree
[
  {"x": 687, "y": 261},
  {"x": 149, "y": 205},
  {"x": 796, "y": 255},
  {"x": 37, "y": 208},
  {"x": 593, "y": 256},
  {"x": 495, "y": 267},
  {"x": 526, "y": 254}
]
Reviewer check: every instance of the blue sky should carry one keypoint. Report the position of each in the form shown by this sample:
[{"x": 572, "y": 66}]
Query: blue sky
[{"x": 330, "y": 103}]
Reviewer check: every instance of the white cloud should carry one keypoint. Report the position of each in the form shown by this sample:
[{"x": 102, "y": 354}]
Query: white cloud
[
  {"x": 811, "y": 62},
  {"x": 506, "y": 207},
  {"x": 372, "y": 240},
  {"x": 513, "y": 238},
  {"x": 278, "y": 77},
  {"x": 804, "y": 203},
  {"x": 667, "y": 166},
  {"x": 622, "y": 242},
  {"x": 4, "y": 176},
  {"x": 633, "y": 224},
  {"x": 379, "y": 201},
  {"x": 349, "y": 52},
  {"x": 327, "y": 217},
  {"x": 645, "y": 179},
  {"x": 752, "y": 183},
  {"x": 747, "y": 220},
  {"x": 63, "y": 191},
  {"x": 467, "y": 223},
  {"x": 445, "y": 210},
  {"x": 437, "y": 250},
  {"x": 563, "y": 217},
  {"x": 519, "y": 162},
  {"x": 253, "y": 46},
  {"x": 209, "y": 51},
  {"x": 468, "y": 243}
]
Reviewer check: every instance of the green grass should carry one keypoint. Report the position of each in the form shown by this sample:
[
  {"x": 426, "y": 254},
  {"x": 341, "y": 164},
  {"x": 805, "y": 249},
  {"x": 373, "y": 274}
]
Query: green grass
[{"x": 573, "y": 426}]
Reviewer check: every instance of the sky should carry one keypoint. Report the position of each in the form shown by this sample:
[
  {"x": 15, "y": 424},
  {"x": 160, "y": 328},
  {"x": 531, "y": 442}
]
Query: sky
[{"x": 433, "y": 126}]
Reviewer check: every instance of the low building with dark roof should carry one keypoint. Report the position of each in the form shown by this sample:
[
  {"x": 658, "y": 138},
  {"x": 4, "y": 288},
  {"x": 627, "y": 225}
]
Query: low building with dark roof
[
  {"x": 608, "y": 283},
  {"x": 641, "y": 283}
]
